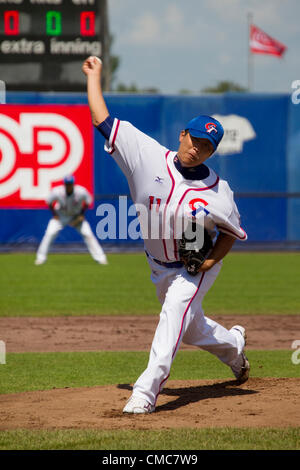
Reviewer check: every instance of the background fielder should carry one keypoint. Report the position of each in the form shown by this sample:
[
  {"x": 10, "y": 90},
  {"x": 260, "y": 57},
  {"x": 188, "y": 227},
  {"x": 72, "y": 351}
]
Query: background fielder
[
  {"x": 162, "y": 181},
  {"x": 68, "y": 204}
]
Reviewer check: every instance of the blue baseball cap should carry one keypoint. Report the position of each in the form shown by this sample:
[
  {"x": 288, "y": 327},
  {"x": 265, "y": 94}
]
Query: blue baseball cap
[
  {"x": 206, "y": 127},
  {"x": 69, "y": 179}
]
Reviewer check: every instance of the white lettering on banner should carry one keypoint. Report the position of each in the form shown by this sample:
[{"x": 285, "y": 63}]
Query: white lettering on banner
[
  {"x": 237, "y": 130},
  {"x": 30, "y": 130},
  {"x": 8, "y": 160}
]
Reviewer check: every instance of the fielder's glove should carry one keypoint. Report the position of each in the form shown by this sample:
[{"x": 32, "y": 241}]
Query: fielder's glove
[
  {"x": 193, "y": 257},
  {"x": 77, "y": 220}
]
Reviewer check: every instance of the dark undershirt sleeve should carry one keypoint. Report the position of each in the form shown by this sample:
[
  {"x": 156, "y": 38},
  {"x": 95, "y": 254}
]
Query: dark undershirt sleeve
[{"x": 105, "y": 127}]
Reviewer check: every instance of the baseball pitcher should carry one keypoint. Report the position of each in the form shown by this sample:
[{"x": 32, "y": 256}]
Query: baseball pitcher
[{"x": 174, "y": 185}]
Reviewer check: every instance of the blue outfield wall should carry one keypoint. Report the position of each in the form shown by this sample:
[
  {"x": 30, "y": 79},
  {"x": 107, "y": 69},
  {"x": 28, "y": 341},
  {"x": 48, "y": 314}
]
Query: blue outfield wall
[{"x": 264, "y": 174}]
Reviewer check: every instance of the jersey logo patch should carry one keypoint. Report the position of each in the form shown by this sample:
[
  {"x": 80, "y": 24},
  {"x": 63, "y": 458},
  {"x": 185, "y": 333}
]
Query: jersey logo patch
[
  {"x": 198, "y": 208},
  {"x": 158, "y": 179}
]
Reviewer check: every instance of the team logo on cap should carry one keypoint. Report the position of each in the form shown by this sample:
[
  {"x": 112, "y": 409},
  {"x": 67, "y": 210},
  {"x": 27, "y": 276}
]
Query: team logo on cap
[{"x": 211, "y": 126}]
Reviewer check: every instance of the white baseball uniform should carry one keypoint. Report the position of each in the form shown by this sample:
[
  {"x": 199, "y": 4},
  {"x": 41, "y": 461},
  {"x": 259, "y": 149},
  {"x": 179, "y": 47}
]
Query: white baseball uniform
[
  {"x": 157, "y": 184},
  {"x": 67, "y": 207}
]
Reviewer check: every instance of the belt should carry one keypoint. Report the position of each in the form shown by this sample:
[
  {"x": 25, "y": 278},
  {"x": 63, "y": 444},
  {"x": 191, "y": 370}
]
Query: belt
[{"x": 173, "y": 264}]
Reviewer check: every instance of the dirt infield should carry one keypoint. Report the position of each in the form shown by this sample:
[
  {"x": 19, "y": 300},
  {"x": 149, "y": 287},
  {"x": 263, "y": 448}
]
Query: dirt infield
[
  {"x": 270, "y": 402},
  {"x": 130, "y": 333}
]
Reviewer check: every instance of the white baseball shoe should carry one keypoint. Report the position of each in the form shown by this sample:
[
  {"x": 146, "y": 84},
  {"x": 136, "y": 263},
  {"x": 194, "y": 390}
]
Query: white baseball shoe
[
  {"x": 38, "y": 261},
  {"x": 102, "y": 260},
  {"x": 241, "y": 368},
  {"x": 138, "y": 405},
  {"x": 241, "y": 330}
]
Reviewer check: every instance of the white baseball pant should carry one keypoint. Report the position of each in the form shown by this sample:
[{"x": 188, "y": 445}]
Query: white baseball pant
[
  {"x": 56, "y": 225},
  {"x": 182, "y": 319}
]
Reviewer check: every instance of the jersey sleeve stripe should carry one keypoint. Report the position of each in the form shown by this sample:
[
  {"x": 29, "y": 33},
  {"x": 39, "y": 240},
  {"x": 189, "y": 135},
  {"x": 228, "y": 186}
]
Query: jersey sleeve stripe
[
  {"x": 114, "y": 137},
  {"x": 231, "y": 232}
]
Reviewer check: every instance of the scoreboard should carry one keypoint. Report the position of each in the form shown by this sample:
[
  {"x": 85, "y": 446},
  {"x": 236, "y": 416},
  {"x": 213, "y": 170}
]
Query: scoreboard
[
  {"x": 50, "y": 35},
  {"x": 54, "y": 29}
]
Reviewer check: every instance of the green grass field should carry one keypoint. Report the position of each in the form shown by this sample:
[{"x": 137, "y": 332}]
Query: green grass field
[
  {"x": 43, "y": 371},
  {"x": 171, "y": 439},
  {"x": 249, "y": 283}
]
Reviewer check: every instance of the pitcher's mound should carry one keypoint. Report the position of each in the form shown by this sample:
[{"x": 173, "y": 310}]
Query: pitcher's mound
[{"x": 272, "y": 402}]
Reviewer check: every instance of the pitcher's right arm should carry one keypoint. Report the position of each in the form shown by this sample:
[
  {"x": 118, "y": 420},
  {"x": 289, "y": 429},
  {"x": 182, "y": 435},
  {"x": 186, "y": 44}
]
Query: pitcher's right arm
[{"x": 92, "y": 68}]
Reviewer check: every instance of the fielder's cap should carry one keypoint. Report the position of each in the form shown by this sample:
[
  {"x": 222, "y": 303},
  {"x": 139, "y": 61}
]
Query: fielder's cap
[
  {"x": 69, "y": 179},
  {"x": 206, "y": 127}
]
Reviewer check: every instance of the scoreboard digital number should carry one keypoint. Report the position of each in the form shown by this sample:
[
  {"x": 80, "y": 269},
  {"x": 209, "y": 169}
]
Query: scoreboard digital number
[
  {"x": 38, "y": 30},
  {"x": 53, "y": 23}
]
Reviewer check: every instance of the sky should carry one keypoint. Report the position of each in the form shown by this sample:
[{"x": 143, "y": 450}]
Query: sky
[{"x": 193, "y": 44}]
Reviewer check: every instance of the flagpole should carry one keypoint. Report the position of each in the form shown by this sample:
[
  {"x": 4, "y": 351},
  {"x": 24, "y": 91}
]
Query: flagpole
[{"x": 250, "y": 55}]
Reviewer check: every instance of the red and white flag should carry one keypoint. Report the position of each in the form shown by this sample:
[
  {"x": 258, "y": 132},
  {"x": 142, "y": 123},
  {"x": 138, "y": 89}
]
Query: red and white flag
[{"x": 262, "y": 43}]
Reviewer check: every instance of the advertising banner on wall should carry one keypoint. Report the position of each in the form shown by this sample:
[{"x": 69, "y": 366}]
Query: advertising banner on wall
[{"x": 39, "y": 146}]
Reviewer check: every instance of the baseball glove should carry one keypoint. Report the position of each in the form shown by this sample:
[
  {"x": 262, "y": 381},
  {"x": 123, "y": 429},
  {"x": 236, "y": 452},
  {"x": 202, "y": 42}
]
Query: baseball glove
[
  {"x": 191, "y": 255},
  {"x": 77, "y": 220}
]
